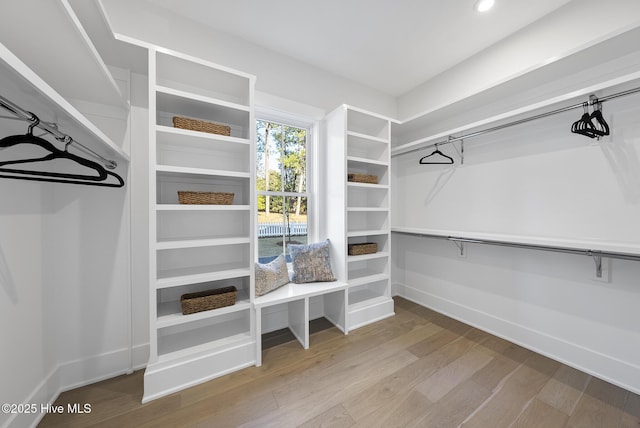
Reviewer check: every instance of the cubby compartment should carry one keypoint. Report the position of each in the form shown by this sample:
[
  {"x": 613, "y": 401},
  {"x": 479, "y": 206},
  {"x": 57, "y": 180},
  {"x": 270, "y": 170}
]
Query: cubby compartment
[
  {"x": 170, "y": 104},
  {"x": 366, "y": 270},
  {"x": 366, "y": 222},
  {"x": 179, "y": 225},
  {"x": 202, "y": 79},
  {"x": 382, "y": 241},
  {"x": 361, "y": 195},
  {"x": 367, "y": 124},
  {"x": 204, "y": 334},
  {"x": 359, "y": 167},
  {"x": 170, "y": 182},
  {"x": 369, "y": 302},
  {"x": 190, "y": 149},
  {"x": 367, "y": 148},
  {"x": 169, "y": 307},
  {"x": 364, "y": 294},
  {"x": 186, "y": 265}
]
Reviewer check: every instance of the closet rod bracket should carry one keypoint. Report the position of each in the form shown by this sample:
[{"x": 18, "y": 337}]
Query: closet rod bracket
[
  {"x": 460, "y": 246},
  {"x": 597, "y": 259},
  {"x": 451, "y": 140}
]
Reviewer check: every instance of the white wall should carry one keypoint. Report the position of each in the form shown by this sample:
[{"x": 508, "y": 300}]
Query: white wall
[
  {"x": 278, "y": 75},
  {"x": 28, "y": 354},
  {"x": 64, "y": 274}
]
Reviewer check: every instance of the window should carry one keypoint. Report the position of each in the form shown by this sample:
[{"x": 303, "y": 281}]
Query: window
[{"x": 281, "y": 187}]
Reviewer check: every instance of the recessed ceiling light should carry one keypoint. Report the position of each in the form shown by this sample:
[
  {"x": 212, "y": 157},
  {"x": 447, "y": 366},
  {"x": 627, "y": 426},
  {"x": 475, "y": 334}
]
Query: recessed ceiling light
[{"x": 484, "y": 5}]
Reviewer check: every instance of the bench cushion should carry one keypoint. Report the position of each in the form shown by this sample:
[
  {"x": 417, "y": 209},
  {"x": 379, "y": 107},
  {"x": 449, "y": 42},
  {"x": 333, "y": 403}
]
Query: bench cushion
[
  {"x": 272, "y": 275},
  {"x": 311, "y": 262}
]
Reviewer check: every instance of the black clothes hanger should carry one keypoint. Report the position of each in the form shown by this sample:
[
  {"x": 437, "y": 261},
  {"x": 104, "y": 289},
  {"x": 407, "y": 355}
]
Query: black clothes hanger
[
  {"x": 437, "y": 151},
  {"x": 96, "y": 179},
  {"x": 584, "y": 125}
]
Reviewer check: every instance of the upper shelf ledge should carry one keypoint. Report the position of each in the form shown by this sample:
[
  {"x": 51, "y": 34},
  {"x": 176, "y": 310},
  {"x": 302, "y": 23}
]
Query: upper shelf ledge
[
  {"x": 49, "y": 38},
  {"x": 21, "y": 85},
  {"x": 514, "y": 114}
]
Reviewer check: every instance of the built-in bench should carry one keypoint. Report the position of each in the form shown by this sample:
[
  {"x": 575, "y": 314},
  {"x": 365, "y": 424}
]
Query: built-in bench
[{"x": 296, "y": 296}]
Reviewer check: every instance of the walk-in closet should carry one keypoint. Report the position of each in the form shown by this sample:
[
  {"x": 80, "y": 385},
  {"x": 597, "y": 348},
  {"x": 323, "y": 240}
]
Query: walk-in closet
[{"x": 365, "y": 213}]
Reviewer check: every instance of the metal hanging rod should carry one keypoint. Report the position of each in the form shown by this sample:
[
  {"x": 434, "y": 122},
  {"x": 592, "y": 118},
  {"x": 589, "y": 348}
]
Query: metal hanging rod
[
  {"x": 52, "y": 129},
  {"x": 452, "y": 139},
  {"x": 596, "y": 254}
]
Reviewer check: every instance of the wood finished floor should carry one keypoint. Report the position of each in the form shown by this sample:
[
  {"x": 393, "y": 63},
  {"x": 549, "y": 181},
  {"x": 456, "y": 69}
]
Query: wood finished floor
[{"x": 417, "y": 369}]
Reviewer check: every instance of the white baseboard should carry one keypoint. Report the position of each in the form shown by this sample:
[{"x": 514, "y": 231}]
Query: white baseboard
[
  {"x": 75, "y": 374},
  {"x": 611, "y": 369}
]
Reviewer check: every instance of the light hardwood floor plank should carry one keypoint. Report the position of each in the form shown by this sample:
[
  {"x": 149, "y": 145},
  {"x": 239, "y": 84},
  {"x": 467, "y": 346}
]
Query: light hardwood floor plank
[
  {"x": 448, "y": 377},
  {"x": 631, "y": 412},
  {"x": 452, "y": 409},
  {"x": 504, "y": 407},
  {"x": 600, "y": 406},
  {"x": 564, "y": 389},
  {"x": 540, "y": 414},
  {"x": 335, "y": 417}
]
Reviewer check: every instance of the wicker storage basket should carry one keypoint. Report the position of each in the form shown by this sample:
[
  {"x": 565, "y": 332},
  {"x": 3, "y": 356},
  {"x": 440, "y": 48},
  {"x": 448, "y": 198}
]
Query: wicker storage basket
[
  {"x": 362, "y": 178},
  {"x": 207, "y": 300},
  {"x": 360, "y": 249},
  {"x": 201, "y": 125},
  {"x": 204, "y": 198}
]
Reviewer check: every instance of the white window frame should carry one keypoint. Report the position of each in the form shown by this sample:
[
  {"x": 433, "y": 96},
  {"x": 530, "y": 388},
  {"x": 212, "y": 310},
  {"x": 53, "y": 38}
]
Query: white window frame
[{"x": 311, "y": 126}]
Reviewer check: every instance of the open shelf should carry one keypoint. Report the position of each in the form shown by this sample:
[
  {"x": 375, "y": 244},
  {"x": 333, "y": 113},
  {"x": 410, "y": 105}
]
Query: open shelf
[
  {"x": 205, "y": 334},
  {"x": 178, "y": 103},
  {"x": 362, "y": 196},
  {"x": 358, "y": 161},
  {"x": 364, "y": 297},
  {"x": 24, "y": 87},
  {"x": 171, "y": 180},
  {"x": 354, "y": 233},
  {"x": 187, "y": 207},
  {"x": 184, "y": 276},
  {"x": 361, "y": 223},
  {"x": 379, "y": 169},
  {"x": 170, "y": 313},
  {"x": 168, "y": 244},
  {"x": 191, "y": 149},
  {"x": 194, "y": 75},
  {"x": 81, "y": 74},
  {"x": 217, "y": 226},
  {"x": 378, "y": 255},
  {"x": 367, "y": 124},
  {"x": 179, "y": 171}
]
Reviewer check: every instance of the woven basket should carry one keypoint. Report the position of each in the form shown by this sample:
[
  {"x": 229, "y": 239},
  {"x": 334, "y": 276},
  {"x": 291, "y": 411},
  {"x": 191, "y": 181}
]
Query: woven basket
[
  {"x": 362, "y": 178},
  {"x": 207, "y": 300},
  {"x": 204, "y": 198},
  {"x": 360, "y": 249},
  {"x": 201, "y": 126}
]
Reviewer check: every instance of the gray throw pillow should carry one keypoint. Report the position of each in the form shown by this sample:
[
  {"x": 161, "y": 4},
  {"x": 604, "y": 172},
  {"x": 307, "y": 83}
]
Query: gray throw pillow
[
  {"x": 311, "y": 263},
  {"x": 271, "y": 275}
]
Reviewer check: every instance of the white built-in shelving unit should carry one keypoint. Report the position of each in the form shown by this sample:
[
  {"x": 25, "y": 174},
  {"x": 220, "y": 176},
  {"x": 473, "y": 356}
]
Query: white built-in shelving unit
[
  {"x": 199, "y": 247},
  {"x": 359, "y": 142}
]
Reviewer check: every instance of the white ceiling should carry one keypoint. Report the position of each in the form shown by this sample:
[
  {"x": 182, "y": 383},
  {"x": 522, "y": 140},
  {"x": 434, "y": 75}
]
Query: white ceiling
[{"x": 392, "y": 46}]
